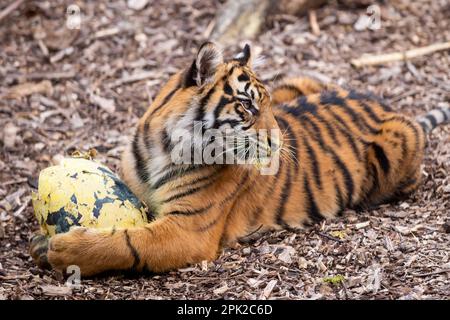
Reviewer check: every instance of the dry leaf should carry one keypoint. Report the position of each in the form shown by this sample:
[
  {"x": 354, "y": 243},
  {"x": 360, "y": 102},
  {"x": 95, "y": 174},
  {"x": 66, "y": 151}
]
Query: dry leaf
[
  {"x": 254, "y": 282},
  {"x": 10, "y": 135},
  {"x": 221, "y": 290},
  {"x": 268, "y": 289},
  {"x": 302, "y": 263},
  {"x": 286, "y": 254},
  {"x": 106, "y": 104},
  {"x": 362, "y": 225}
]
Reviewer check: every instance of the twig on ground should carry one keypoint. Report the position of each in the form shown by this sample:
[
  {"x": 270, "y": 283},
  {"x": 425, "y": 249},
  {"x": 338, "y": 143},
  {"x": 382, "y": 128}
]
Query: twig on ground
[
  {"x": 52, "y": 75},
  {"x": 209, "y": 29},
  {"x": 12, "y": 182},
  {"x": 430, "y": 273},
  {"x": 43, "y": 48},
  {"x": 367, "y": 60},
  {"x": 313, "y": 22},
  {"x": 61, "y": 54},
  {"x": 13, "y": 6},
  {"x": 138, "y": 76},
  {"x": 106, "y": 33}
]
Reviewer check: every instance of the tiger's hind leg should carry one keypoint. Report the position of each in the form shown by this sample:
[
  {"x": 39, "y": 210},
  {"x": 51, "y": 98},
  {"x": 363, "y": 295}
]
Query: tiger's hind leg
[
  {"x": 394, "y": 160},
  {"x": 290, "y": 89}
]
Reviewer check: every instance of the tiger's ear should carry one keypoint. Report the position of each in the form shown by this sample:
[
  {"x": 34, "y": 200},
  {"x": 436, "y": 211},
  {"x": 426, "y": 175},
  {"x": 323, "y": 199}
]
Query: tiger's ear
[
  {"x": 245, "y": 57},
  {"x": 205, "y": 65}
]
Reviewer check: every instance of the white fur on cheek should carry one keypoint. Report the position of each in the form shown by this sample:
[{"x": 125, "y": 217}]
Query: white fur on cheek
[
  {"x": 209, "y": 118},
  {"x": 158, "y": 164}
]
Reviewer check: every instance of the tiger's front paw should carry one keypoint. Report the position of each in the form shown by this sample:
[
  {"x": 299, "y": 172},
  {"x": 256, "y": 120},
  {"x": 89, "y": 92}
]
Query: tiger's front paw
[{"x": 71, "y": 248}]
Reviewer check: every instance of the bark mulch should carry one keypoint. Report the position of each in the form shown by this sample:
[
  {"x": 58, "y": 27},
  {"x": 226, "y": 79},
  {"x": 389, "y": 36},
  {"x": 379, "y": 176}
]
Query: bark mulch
[{"x": 64, "y": 89}]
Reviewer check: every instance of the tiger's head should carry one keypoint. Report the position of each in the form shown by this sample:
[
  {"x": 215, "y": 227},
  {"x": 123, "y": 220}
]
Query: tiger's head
[{"x": 216, "y": 104}]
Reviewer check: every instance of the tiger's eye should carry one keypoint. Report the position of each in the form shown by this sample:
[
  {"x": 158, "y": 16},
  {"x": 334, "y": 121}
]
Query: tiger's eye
[{"x": 246, "y": 103}]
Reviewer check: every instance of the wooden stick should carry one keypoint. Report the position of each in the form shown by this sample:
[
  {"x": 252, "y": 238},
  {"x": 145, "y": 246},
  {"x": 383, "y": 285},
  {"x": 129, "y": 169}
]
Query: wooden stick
[
  {"x": 209, "y": 29},
  {"x": 133, "y": 78},
  {"x": 430, "y": 273},
  {"x": 106, "y": 33},
  {"x": 13, "y": 6},
  {"x": 367, "y": 60},
  {"x": 52, "y": 75},
  {"x": 313, "y": 22}
]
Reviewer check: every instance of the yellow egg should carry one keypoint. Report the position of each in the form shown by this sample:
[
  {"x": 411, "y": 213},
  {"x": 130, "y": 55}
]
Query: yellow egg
[{"x": 81, "y": 192}]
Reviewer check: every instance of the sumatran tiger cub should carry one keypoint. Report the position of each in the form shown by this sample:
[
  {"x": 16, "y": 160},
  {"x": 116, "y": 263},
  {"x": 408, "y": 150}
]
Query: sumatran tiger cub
[{"x": 337, "y": 149}]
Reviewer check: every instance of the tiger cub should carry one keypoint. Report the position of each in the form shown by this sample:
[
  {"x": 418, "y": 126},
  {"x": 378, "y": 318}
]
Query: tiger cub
[{"x": 336, "y": 149}]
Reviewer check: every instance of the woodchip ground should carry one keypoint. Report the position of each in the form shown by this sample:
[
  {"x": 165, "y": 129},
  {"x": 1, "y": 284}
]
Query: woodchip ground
[{"x": 64, "y": 90}]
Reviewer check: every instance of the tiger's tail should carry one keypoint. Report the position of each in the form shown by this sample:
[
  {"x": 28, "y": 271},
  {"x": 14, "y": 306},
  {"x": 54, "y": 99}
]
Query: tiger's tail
[{"x": 434, "y": 118}]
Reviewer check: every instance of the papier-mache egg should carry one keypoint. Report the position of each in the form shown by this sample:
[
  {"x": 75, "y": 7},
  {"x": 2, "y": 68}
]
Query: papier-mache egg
[{"x": 81, "y": 192}]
